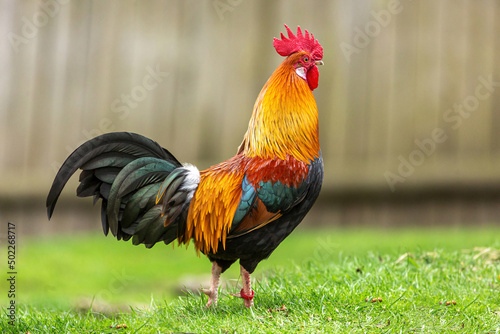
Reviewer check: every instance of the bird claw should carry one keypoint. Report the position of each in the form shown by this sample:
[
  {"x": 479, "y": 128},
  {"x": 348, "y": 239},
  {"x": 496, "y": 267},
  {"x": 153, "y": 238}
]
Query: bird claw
[
  {"x": 212, "y": 297},
  {"x": 248, "y": 303}
]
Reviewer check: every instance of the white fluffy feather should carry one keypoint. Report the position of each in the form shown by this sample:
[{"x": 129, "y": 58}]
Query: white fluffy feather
[{"x": 191, "y": 181}]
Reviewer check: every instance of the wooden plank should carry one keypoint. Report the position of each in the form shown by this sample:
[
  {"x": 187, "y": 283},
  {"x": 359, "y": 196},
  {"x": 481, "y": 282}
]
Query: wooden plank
[{"x": 62, "y": 84}]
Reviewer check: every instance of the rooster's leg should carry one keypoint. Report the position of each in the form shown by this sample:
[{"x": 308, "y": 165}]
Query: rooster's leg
[
  {"x": 246, "y": 293},
  {"x": 214, "y": 285}
]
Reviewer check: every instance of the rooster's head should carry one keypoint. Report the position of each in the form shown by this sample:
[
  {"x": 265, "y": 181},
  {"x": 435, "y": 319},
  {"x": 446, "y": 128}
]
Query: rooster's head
[{"x": 311, "y": 54}]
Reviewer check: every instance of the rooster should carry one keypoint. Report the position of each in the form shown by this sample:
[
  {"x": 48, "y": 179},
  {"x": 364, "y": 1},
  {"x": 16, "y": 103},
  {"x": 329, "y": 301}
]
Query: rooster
[{"x": 240, "y": 209}]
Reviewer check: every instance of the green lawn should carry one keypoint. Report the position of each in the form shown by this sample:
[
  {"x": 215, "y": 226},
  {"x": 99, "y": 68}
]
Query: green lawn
[{"x": 325, "y": 279}]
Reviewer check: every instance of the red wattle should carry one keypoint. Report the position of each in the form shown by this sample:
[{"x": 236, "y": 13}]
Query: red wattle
[{"x": 313, "y": 77}]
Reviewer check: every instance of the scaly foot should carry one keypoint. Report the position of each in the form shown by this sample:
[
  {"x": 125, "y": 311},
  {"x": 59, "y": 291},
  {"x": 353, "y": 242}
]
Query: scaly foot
[{"x": 214, "y": 286}]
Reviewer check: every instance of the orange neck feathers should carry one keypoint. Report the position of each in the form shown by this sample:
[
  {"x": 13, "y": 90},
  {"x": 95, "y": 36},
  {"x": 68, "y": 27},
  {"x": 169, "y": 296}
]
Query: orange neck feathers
[{"x": 285, "y": 118}]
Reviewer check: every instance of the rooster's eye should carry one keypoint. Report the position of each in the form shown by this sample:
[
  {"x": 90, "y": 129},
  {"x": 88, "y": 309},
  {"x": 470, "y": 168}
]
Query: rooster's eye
[{"x": 306, "y": 59}]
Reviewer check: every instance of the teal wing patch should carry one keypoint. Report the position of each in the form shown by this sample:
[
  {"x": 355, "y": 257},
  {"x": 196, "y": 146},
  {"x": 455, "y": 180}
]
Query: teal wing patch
[{"x": 278, "y": 196}]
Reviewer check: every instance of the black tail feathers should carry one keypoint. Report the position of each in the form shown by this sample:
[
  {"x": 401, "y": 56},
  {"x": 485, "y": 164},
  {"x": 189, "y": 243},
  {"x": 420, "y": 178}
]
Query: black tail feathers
[{"x": 126, "y": 171}]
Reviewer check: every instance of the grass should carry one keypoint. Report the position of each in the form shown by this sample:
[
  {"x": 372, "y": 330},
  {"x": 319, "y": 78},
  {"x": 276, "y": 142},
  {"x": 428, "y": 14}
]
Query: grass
[{"x": 315, "y": 282}]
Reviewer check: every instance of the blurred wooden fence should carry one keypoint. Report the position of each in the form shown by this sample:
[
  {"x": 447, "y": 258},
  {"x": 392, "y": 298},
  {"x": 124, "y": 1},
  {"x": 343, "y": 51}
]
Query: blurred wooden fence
[{"x": 409, "y": 92}]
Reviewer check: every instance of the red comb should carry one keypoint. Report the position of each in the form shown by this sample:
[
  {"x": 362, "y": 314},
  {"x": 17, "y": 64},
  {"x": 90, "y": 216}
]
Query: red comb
[{"x": 287, "y": 46}]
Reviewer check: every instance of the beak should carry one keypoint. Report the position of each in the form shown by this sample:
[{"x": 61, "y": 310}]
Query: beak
[{"x": 318, "y": 62}]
